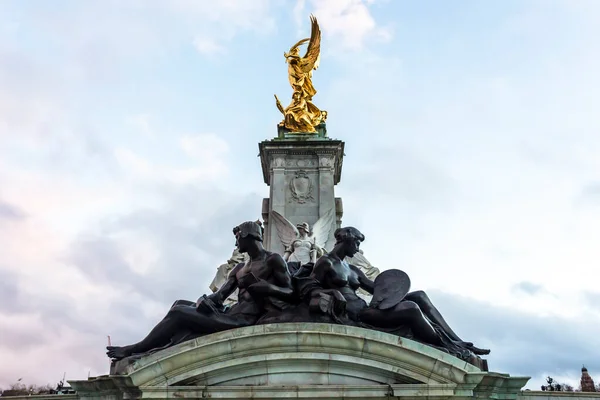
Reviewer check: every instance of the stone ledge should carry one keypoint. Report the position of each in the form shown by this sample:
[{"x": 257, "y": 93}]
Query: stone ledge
[
  {"x": 284, "y": 133},
  {"x": 270, "y": 148},
  {"x": 547, "y": 395},
  {"x": 306, "y": 350},
  {"x": 69, "y": 396},
  {"x": 318, "y": 361},
  {"x": 306, "y": 392},
  {"x": 322, "y": 392}
]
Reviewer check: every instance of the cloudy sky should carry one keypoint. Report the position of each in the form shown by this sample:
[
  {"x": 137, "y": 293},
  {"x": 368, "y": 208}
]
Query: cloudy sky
[{"x": 128, "y": 150}]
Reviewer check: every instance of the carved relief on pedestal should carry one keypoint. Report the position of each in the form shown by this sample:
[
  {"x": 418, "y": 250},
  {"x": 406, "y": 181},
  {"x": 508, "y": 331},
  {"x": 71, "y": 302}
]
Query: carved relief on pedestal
[
  {"x": 302, "y": 163},
  {"x": 277, "y": 162},
  {"x": 301, "y": 187},
  {"x": 326, "y": 161},
  {"x": 306, "y": 163}
]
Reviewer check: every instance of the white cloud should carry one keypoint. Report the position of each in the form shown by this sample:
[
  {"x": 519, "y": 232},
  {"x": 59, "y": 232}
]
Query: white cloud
[
  {"x": 59, "y": 181},
  {"x": 133, "y": 163},
  {"x": 208, "y": 46},
  {"x": 142, "y": 122},
  {"x": 251, "y": 15},
  {"x": 204, "y": 146},
  {"x": 206, "y": 161},
  {"x": 478, "y": 158},
  {"x": 350, "y": 21},
  {"x": 222, "y": 21},
  {"x": 208, "y": 169}
]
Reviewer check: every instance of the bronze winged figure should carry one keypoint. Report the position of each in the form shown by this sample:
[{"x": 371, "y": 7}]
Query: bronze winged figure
[{"x": 302, "y": 115}]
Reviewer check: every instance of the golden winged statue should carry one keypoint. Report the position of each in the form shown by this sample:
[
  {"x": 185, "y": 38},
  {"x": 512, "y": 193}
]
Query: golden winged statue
[{"x": 302, "y": 115}]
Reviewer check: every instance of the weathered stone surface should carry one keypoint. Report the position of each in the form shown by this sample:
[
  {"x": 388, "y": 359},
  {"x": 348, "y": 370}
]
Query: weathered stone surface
[
  {"x": 316, "y": 361},
  {"x": 403, "y": 391},
  {"x": 301, "y": 175}
]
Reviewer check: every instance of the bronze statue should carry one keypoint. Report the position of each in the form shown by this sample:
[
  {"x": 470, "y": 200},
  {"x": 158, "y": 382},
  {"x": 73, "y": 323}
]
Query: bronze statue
[
  {"x": 395, "y": 309},
  {"x": 327, "y": 292},
  {"x": 223, "y": 274},
  {"x": 264, "y": 284},
  {"x": 359, "y": 260},
  {"x": 302, "y": 115},
  {"x": 328, "y": 267}
]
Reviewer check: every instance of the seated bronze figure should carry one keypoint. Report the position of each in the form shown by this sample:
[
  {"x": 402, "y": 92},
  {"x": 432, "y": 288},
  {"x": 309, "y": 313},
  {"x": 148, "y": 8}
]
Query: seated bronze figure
[
  {"x": 409, "y": 314},
  {"x": 264, "y": 284},
  {"x": 321, "y": 292}
]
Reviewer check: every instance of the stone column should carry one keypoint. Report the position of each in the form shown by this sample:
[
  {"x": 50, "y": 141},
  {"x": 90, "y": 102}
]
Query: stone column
[
  {"x": 277, "y": 195},
  {"x": 326, "y": 179},
  {"x": 301, "y": 173},
  {"x": 339, "y": 212}
]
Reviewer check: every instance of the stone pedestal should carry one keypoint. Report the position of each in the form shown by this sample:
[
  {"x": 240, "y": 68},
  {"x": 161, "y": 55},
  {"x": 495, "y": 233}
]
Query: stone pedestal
[
  {"x": 301, "y": 171},
  {"x": 310, "y": 361}
]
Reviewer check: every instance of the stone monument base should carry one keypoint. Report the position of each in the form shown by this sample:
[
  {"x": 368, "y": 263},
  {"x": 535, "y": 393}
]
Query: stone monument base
[
  {"x": 311, "y": 361},
  {"x": 284, "y": 133}
]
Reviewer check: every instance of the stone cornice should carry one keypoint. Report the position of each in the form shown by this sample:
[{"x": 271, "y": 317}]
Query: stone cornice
[{"x": 270, "y": 149}]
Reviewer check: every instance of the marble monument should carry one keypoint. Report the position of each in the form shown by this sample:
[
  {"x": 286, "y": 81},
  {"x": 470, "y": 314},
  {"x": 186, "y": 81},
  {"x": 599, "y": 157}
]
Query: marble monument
[{"x": 286, "y": 317}]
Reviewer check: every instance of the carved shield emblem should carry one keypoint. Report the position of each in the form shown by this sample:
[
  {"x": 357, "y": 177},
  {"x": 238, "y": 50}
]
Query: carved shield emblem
[{"x": 301, "y": 187}]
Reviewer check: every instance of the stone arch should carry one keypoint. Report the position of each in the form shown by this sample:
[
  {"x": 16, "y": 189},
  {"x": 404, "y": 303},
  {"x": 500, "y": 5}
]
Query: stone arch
[
  {"x": 285, "y": 353},
  {"x": 301, "y": 360}
]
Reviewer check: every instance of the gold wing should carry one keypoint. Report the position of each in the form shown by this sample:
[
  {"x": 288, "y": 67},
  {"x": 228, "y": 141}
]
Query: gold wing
[{"x": 311, "y": 59}]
